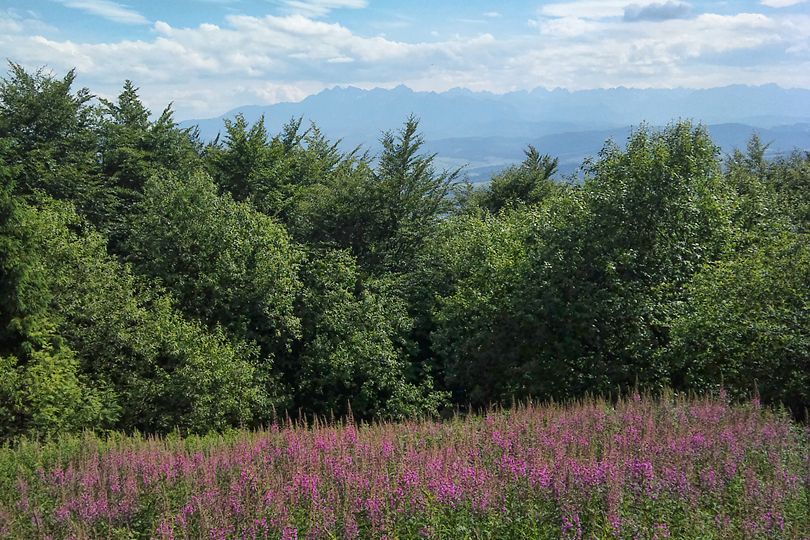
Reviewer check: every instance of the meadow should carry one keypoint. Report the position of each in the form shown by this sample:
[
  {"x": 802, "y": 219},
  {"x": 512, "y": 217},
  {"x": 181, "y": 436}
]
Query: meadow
[{"x": 669, "y": 467}]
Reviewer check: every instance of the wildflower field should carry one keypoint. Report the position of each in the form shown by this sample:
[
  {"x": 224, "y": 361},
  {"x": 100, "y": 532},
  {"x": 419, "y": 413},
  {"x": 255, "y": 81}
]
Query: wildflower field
[{"x": 638, "y": 468}]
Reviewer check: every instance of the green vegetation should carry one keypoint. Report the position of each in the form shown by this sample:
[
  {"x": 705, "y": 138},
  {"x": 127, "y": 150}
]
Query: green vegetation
[
  {"x": 635, "y": 468},
  {"x": 151, "y": 281}
]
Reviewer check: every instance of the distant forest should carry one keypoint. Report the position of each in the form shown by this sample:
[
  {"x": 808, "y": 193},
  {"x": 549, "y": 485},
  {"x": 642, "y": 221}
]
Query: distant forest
[{"x": 151, "y": 281}]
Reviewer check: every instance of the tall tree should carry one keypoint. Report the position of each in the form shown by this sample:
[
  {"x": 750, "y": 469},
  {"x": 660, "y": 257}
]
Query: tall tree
[
  {"x": 409, "y": 199},
  {"x": 351, "y": 349},
  {"x": 132, "y": 149},
  {"x": 528, "y": 183},
  {"x": 50, "y": 138},
  {"x": 226, "y": 263},
  {"x": 273, "y": 173},
  {"x": 461, "y": 293},
  {"x": 242, "y": 160},
  {"x": 657, "y": 212},
  {"x": 747, "y": 324},
  {"x": 791, "y": 178},
  {"x": 595, "y": 276},
  {"x": 86, "y": 345}
]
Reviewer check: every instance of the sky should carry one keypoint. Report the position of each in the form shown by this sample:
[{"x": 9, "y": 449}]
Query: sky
[{"x": 209, "y": 56}]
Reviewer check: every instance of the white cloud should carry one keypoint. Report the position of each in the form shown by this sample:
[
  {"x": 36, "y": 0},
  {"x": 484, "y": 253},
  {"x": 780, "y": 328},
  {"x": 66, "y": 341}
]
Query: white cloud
[
  {"x": 208, "y": 69},
  {"x": 578, "y": 53},
  {"x": 590, "y": 9},
  {"x": 564, "y": 26},
  {"x": 319, "y": 8},
  {"x": 13, "y": 21},
  {"x": 112, "y": 11},
  {"x": 781, "y": 3},
  {"x": 285, "y": 51},
  {"x": 657, "y": 12}
]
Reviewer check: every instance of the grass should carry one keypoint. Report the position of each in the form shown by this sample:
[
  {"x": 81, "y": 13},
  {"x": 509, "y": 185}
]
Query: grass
[{"x": 640, "y": 468}]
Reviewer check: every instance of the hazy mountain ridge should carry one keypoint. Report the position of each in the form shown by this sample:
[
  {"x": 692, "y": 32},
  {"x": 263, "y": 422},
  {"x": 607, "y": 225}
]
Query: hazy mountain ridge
[
  {"x": 485, "y": 155},
  {"x": 489, "y": 131}
]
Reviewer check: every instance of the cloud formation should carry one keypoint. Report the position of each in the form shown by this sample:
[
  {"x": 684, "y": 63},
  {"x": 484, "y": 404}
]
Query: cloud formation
[
  {"x": 210, "y": 68},
  {"x": 320, "y": 8},
  {"x": 657, "y": 12},
  {"x": 781, "y": 3},
  {"x": 589, "y": 9},
  {"x": 112, "y": 11}
]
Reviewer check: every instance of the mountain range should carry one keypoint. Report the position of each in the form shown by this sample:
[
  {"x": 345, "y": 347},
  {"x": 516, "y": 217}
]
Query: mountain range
[{"x": 486, "y": 132}]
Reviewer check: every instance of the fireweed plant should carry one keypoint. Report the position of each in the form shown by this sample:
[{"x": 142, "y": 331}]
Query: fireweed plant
[{"x": 638, "y": 468}]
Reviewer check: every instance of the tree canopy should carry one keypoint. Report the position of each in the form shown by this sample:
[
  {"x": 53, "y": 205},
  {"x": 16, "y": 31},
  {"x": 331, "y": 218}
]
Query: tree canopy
[{"x": 153, "y": 281}]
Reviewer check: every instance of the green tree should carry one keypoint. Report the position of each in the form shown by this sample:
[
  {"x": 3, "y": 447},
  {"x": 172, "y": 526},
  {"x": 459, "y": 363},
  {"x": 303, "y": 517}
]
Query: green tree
[
  {"x": 382, "y": 212},
  {"x": 242, "y": 161},
  {"x": 410, "y": 198},
  {"x": 132, "y": 149},
  {"x": 338, "y": 211},
  {"x": 44, "y": 393},
  {"x": 43, "y": 390},
  {"x": 271, "y": 172},
  {"x": 528, "y": 183},
  {"x": 594, "y": 276},
  {"x": 86, "y": 346},
  {"x": 461, "y": 294},
  {"x": 791, "y": 179},
  {"x": 656, "y": 213},
  {"x": 50, "y": 139},
  {"x": 226, "y": 263},
  {"x": 747, "y": 325},
  {"x": 353, "y": 345}
]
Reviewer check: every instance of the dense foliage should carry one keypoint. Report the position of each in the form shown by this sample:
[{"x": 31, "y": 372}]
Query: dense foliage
[
  {"x": 150, "y": 281},
  {"x": 639, "y": 468}
]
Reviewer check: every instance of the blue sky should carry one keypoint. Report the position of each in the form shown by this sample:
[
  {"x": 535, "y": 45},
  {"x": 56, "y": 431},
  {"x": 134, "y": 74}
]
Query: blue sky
[{"x": 208, "y": 56}]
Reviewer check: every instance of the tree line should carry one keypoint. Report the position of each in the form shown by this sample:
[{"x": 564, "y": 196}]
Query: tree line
[{"x": 153, "y": 281}]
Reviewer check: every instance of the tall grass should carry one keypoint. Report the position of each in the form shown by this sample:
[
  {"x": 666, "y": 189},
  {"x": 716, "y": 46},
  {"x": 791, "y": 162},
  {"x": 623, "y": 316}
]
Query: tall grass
[{"x": 639, "y": 468}]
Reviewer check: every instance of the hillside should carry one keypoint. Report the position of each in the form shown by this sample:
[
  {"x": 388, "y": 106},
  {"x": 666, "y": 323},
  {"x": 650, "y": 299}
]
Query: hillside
[{"x": 686, "y": 469}]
